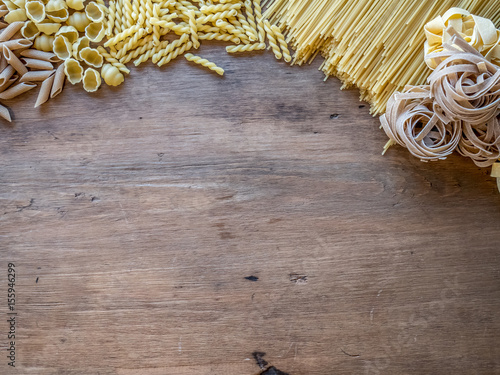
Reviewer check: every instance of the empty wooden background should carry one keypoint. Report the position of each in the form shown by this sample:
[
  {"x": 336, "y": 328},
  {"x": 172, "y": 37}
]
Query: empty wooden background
[{"x": 183, "y": 222}]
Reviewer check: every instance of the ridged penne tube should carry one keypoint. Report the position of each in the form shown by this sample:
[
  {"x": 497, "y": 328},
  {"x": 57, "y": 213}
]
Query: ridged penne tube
[
  {"x": 29, "y": 30},
  {"x": 36, "y": 75},
  {"x": 10, "y": 31},
  {"x": 60, "y": 15},
  {"x": 5, "y": 114},
  {"x": 40, "y": 55},
  {"x": 246, "y": 47},
  {"x": 111, "y": 75},
  {"x": 91, "y": 57},
  {"x": 91, "y": 80},
  {"x": 283, "y": 45},
  {"x": 36, "y": 64},
  {"x": 73, "y": 70},
  {"x": 45, "y": 88},
  {"x": 59, "y": 79},
  {"x": 204, "y": 62},
  {"x": 6, "y": 74},
  {"x": 14, "y": 44},
  {"x": 16, "y": 15},
  {"x": 69, "y": 32},
  {"x": 62, "y": 47},
  {"x": 14, "y": 61},
  {"x": 94, "y": 12},
  {"x": 48, "y": 28},
  {"x": 55, "y": 5},
  {"x": 79, "y": 21},
  {"x": 75, "y": 4},
  {"x": 35, "y": 10},
  {"x": 43, "y": 42},
  {"x": 16, "y": 90},
  {"x": 95, "y": 31},
  {"x": 80, "y": 44}
]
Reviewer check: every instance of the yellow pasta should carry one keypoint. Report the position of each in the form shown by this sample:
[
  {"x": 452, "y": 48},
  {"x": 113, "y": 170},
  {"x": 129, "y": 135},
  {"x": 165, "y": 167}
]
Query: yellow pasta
[
  {"x": 111, "y": 75},
  {"x": 29, "y": 30},
  {"x": 62, "y": 47},
  {"x": 43, "y": 42},
  {"x": 75, "y": 4},
  {"x": 16, "y": 15},
  {"x": 61, "y": 15},
  {"x": 91, "y": 57},
  {"x": 94, "y": 12},
  {"x": 48, "y": 28},
  {"x": 246, "y": 47},
  {"x": 35, "y": 10},
  {"x": 204, "y": 62},
  {"x": 69, "y": 32},
  {"x": 79, "y": 21},
  {"x": 95, "y": 31},
  {"x": 73, "y": 71},
  {"x": 91, "y": 80}
]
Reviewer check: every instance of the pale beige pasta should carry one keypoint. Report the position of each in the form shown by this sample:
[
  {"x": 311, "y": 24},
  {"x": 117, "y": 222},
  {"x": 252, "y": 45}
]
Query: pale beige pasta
[
  {"x": 69, "y": 32},
  {"x": 79, "y": 21},
  {"x": 55, "y": 5},
  {"x": 62, "y": 47},
  {"x": 60, "y": 15},
  {"x": 30, "y": 30},
  {"x": 3, "y": 64},
  {"x": 59, "y": 79},
  {"x": 48, "y": 28},
  {"x": 111, "y": 75},
  {"x": 9, "y": 83},
  {"x": 14, "y": 61},
  {"x": 95, "y": 31},
  {"x": 80, "y": 44},
  {"x": 10, "y": 31},
  {"x": 36, "y": 75},
  {"x": 43, "y": 42},
  {"x": 91, "y": 57},
  {"x": 5, "y": 114},
  {"x": 40, "y": 55},
  {"x": 37, "y": 64},
  {"x": 73, "y": 70},
  {"x": 45, "y": 89},
  {"x": 16, "y": 90},
  {"x": 6, "y": 74},
  {"x": 16, "y": 15},
  {"x": 91, "y": 80},
  {"x": 14, "y": 44},
  {"x": 94, "y": 12},
  {"x": 75, "y": 4},
  {"x": 35, "y": 10}
]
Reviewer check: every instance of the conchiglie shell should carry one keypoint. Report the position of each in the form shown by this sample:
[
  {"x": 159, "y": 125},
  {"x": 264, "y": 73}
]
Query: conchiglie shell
[
  {"x": 43, "y": 42},
  {"x": 75, "y": 4},
  {"x": 94, "y": 12},
  {"x": 79, "y": 21},
  {"x": 91, "y": 57},
  {"x": 55, "y": 5},
  {"x": 35, "y": 10},
  {"x": 19, "y": 3},
  {"x": 16, "y": 15},
  {"x": 30, "y": 30},
  {"x": 73, "y": 70},
  {"x": 60, "y": 15},
  {"x": 48, "y": 28},
  {"x": 80, "y": 44},
  {"x": 91, "y": 80},
  {"x": 10, "y": 5},
  {"x": 69, "y": 32},
  {"x": 95, "y": 31},
  {"x": 62, "y": 47},
  {"x": 111, "y": 75}
]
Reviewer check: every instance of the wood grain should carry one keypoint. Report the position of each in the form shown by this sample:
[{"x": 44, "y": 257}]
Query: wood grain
[{"x": 135, "y": 215}]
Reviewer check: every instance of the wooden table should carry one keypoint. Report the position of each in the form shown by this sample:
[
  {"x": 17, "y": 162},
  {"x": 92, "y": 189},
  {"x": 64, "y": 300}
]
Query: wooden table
[{"x": 185, "y": 223}]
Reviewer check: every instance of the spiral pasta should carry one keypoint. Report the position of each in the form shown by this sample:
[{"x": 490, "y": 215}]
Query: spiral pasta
[{"x": 204, "y": 62}]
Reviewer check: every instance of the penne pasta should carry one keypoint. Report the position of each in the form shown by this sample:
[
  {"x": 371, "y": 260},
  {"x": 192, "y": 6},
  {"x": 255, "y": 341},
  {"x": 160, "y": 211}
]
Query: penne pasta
[
  {"x": 14, "y": 61},
  {"x": 36, "y": 75},
  {"x": 16, "y": 90},
  {"x": 8, "y": 83},
  {"x": 4, "y": 113},
  {"x": 10, "y": 31},
  {"x": 3, "y": 63},
  {"x": 45, "y": 89},
  {"x": 17, "y": 44},
  {"x": 40, "y": 55},
  {"x": 58, "y": 84},
  {"x": 6, "y": 74},
  {"x": 37, "y": 64}
]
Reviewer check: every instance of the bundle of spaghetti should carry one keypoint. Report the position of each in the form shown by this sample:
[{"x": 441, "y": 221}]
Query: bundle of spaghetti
[
  {"x": 373, "y": 45},
  {"x": 459, "y": 109}
]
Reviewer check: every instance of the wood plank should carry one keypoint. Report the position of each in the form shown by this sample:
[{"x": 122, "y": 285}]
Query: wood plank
[{"x": 135, "y": 214}]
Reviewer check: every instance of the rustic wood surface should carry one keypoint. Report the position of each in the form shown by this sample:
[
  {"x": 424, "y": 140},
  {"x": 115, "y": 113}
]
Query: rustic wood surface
[{"x": 186, "y": 223}]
